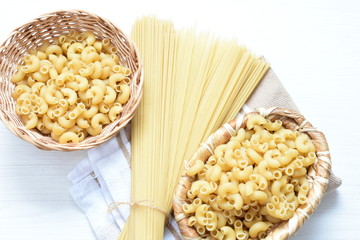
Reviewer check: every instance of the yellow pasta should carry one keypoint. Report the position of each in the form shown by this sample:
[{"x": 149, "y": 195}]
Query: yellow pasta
[
  {"x": 257, "y": 186},
  {"x": 196, "y": 168},
  {"x": 193, "y": 84},
  {"x": 124, "y": 93},
  {"x": 32, "y": 121},
  {"x": 200, "y": 214},
  {"x": 69, "y": 137},
  {"x": 257, "y": 228},
  {"x": 99, "y": 119},
  {"x": 227, "y": 188},
  {"x": 94, "y": 131},
  {"x": 228, "y": 232},
  {"x": 64, "y": 89},
  {"x": 114, "y": 112},
  {"x": 212, "y": 221}
]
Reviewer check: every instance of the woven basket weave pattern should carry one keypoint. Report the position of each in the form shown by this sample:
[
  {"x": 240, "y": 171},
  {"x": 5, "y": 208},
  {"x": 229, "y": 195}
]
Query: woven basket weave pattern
[
  {"x": 47, "y": 28},
  {"x": 318, "y": 173}
]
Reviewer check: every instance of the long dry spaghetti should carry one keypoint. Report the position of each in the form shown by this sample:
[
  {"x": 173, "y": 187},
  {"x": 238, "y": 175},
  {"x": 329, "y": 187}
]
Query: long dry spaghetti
[{"x": 193, "y": 84}]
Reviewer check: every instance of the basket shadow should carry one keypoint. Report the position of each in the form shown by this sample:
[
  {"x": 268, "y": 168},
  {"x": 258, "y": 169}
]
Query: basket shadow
[{"x": 317, "y": 224}]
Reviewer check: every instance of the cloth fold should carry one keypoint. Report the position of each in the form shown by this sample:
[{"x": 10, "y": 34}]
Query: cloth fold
[{"x": 104, "y": 176}]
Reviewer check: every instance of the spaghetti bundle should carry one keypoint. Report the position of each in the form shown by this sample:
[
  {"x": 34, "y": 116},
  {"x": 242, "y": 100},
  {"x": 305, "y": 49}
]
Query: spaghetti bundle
[{"x": 193, "y": 84}]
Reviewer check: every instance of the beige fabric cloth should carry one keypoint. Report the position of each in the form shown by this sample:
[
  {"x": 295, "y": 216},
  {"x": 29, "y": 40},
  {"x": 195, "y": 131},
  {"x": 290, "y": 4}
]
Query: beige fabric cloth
[
  {"x": 271, "y": 93},
  {"x": 104, "y": 175}
]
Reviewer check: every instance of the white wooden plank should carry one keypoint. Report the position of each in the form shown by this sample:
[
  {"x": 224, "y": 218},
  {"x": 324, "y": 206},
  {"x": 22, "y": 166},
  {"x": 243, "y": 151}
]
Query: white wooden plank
[{"x": 312, "y": 45}]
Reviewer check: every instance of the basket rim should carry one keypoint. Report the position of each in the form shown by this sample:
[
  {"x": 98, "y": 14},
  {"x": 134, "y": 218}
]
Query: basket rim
[
  {"x": 135, "y": 97},
  {"x": 320, "y": 169}
]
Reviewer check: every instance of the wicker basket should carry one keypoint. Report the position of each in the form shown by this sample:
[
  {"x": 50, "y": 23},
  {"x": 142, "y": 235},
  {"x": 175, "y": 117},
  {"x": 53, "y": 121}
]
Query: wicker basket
[
  {"x": 318, "y": 173},
  {"x": 46, "y": 28}
]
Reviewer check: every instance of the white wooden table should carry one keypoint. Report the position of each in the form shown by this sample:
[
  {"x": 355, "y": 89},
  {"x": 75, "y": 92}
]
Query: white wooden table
[{"x": 314, "y": 47}]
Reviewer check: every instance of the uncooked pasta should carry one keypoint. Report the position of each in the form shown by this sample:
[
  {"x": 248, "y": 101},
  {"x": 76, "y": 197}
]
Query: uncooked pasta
[{"x": 193, "y": 84}]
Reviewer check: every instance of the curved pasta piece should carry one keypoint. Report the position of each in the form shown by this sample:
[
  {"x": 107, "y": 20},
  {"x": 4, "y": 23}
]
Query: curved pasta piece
[
  {"x": 66, "y": 123},
  {"x": 108, "y": 62},
  {"x": 98, "y": 70},
  {"x": 32, "y": 63},
  {"x": 32, "y": 121},
  {"x": 259, "y": 196},
  {"x": 114, "y": 113},
  {"x": 18, "y": 76},
  {"x": 200, "y": 214},
  {"x": 116, "y": 79},
  {"x": 265, "y": 136},
  {"x": 77, "y": 111},
  {"x": 288, "y": 156},
  {"x": 94, "y": 131},
  {"x": 20, "y": 89},
  {"x": 242, "y": 175},
  {"x": 75, "y": 65},
  {"x": 201, "y": 186},
  {"x": 99, "y": 119},
  {"x": 227, "y": 188},
  {"x": 273, "y": 126},
  {"x": 254, "y": 156},
  {"x": 309, "y": 159},
  {"x": 106, "y": 71},
  {"x": 271, "y": 158},
  {"x": 263, "y": 169},
  {"x": 196, "y": 168},
  {"x": 124, "y": 94},
  {"x": 91, "y": 111},
  {"x": 120, "y": 69},
  {"x": 257, "y": 228},
  {"x": 235, "y": 200},
  {"x": 221, "y": 220},
  {"x": 96, "y": 94},
  {"x": 60, "y": 63},
  {"x": 255, "y": 120},
  {"x": 57, "y": 129},
  {"x": 49, "y": 95},
  {"x": 260, "y": 180},
  {"x": 71, "y": 94},
  {"x": 53, "y": 49},
  {"x": 229, "y": 233},
  {"x": 43, "y": 106},
  {"x": 40, "y": 77},
  {"x": 110, "y": 95},
  {"x": 88, "y": 70},
  {"x": 303, "y": 144},
  {"x": 82, "y": 82},
  {"x": 69, "y": 137},
  {"x": 89, "y": 37},
  {"x": 192, "y": 221},
  {"x": 286, "y": 134}
]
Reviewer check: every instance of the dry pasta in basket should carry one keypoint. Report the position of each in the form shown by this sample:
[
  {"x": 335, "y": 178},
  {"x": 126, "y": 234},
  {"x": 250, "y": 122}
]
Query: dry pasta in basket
[
  {"x": 251, "y": 183},
  {"x": 72, "y": 88}
]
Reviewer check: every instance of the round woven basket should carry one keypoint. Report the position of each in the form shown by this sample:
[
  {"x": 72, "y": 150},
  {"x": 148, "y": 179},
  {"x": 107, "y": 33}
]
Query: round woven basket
[
  {"x": 46, "y": 28},
  {"x": 318, "y": 173}
]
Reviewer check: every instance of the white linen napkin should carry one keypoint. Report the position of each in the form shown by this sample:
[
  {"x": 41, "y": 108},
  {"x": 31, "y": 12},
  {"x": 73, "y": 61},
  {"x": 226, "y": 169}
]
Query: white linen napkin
[{"x": 104, "y": 177}]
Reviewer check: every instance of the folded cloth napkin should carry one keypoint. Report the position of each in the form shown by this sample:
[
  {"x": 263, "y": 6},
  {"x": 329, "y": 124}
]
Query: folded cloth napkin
[{"x": 103, "y": 177}]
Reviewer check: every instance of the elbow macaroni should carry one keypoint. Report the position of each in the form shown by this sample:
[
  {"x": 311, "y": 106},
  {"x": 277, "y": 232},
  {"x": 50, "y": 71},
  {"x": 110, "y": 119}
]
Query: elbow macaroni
[
  {"x": 72, "y": 88},
  {"x": 255, "y": 180}
]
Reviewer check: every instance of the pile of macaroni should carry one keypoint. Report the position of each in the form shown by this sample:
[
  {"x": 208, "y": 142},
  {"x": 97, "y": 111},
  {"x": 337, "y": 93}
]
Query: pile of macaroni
[
  {"x": 253, "y": 182},
  {"x": 72, "y": 88}
]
